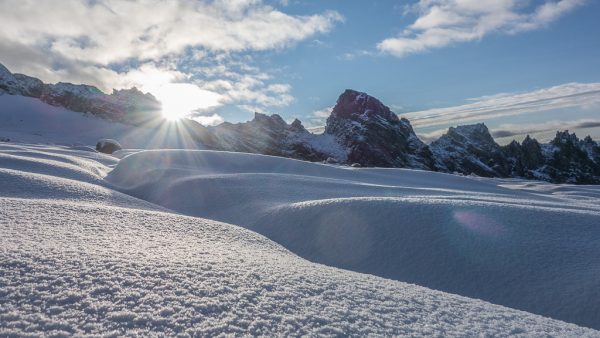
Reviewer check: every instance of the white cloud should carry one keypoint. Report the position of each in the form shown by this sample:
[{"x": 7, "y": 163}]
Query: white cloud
[
  {"x": 318, "y": 118},
  {"x": 431, "y": 136},
  {"x": 323, "y": 113},
  {"x": 445, "y": 22},
  {"x": 109, "y": 31},
  {"x": 354, "y": 55},
  {"x": 249, "y": 90},
  {"x": 569, "y": 95},
  {"x": 211, "y": 120},
  {"x": 152, "y": 43}
]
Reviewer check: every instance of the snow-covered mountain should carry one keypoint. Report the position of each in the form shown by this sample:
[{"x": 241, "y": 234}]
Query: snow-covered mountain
[
  {"x": 373, "y": 135},
  {"x": 472, "y": 150},
  {"x": 360, "y": 131},
  {"x": 271, "y": 135},
  {"x": 128, "y": 105},
  {"x": 469, "y": 149}
]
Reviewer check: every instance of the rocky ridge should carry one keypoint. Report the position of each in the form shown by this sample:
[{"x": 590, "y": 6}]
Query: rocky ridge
[
  {"x": 361, "y": 131},
  {"x": 127, "y": 105}
]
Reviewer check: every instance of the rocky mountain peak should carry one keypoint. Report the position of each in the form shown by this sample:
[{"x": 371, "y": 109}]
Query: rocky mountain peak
[
  {"x": 269, "y": 121},
  {"x": 471, "y": 149},
  {"x": 19, "y": 84},
  {"x": 374, "y": 135},
  {"x": 478, "y": 133},
  {"x": 297, "y": 126},
  {"x": 588, "y": 140},
  {"x": 357, "y": 105},
  {"x": 564, "y": 137}
]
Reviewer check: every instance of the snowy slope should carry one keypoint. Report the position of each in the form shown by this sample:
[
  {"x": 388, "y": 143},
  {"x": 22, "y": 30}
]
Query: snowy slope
[
  {"x": 513, "y": 243},
  {"x": 77, "y": 257},
  {"x": 26, "y": 119}
]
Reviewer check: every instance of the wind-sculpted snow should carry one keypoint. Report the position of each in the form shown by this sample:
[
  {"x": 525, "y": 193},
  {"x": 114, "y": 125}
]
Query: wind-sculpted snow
[
  {"x": 77, "y": 258},
  {"x": 510, "y": 242}
]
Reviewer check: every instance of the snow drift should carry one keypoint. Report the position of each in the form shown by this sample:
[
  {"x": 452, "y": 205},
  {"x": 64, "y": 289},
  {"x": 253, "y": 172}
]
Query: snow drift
[
  {"x": 79, "y": 258},
  {"x": 509, "y": 242}
]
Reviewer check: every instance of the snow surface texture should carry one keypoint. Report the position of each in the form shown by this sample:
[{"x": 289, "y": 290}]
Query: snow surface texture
[
  {"x": 527, "y": 245},
  {"x": 77, "y": 257}
]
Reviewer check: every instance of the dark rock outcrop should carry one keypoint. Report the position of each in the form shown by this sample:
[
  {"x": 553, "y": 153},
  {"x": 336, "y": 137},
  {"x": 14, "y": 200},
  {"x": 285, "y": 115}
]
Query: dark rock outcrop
[
  {"x": 571, "y": 160},
  {"x": 470, "y": 149},
  {"x": 108, "y": 146},
  {"x": 524, "y": 158},
  {"x": 374, "y": 136}
]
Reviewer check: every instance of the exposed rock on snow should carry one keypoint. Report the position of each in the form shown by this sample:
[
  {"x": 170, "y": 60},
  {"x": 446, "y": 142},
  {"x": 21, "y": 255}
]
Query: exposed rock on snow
[
  {"x": 108, "y": 146},
  {"x": 79, "y": 258}
]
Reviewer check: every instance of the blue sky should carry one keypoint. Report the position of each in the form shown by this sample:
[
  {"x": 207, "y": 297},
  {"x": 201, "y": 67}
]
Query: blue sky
[{"x": 519, "y": 66}]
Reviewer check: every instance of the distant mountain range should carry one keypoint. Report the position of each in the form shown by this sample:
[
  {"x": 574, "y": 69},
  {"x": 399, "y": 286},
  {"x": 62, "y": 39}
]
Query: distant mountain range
[{"x": 361, "y": 131}]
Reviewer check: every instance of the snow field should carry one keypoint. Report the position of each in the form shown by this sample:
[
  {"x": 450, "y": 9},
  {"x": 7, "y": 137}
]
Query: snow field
[
  {"x": 75, "y": 260},
  {"x": 513, "y": 243}
]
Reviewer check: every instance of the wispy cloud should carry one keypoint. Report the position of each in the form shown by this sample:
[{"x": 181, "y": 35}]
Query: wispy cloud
[
  {"x": 441, "y": 23},
  {"x": 543, "y": 131},
  {"x": 511, "y": 130},
  {"x": 245, "y": 86},
  {"x": 581, "y": 95},
  {"x": 431, "y": 136},
  {"x": 317, "y": 119},
  {"x": 355, "y": 54}
]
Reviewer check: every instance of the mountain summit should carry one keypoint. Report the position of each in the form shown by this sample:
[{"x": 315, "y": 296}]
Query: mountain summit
[
  {"x": 470, "y": 149},
  {"x": 373, "y": 135}
]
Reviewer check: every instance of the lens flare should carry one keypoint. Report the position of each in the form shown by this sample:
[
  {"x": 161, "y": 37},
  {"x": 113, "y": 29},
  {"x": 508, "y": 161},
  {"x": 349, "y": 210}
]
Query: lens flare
[{"x": 479, "y": 223}]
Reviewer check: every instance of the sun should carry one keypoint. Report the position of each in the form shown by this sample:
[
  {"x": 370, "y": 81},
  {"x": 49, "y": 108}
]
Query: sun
[{"x": 179, "y": 100}]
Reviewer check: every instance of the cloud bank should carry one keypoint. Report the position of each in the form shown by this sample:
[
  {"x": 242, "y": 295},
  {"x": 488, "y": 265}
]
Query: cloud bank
[
  {"x": 110, "y": 31},
  {"x": 441, "y": 23},
  {"x": 116, "y": 44},
  {"x": 510, "y": 130}
]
